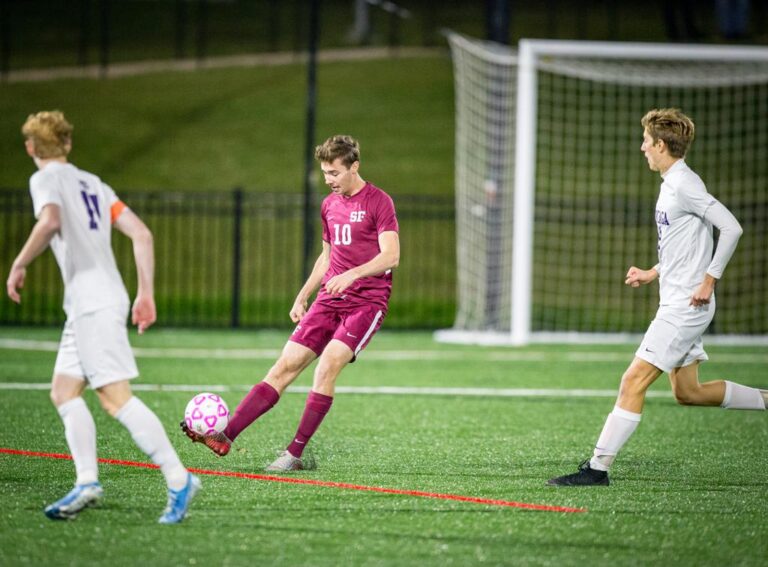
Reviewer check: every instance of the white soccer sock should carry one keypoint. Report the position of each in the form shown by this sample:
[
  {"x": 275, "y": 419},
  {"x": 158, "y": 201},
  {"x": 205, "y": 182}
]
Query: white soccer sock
[
  {"x": 742, "y": 397},
  {"x": 80, "y": 432},
  {"x": 149, "y": 435},
  {"x": 618, "y": 428}
]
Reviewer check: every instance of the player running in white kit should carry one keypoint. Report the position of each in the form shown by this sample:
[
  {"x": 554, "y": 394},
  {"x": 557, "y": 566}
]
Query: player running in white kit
[
  {"x": 75, "y": 213},
  {"x": 687, "y": 273}
]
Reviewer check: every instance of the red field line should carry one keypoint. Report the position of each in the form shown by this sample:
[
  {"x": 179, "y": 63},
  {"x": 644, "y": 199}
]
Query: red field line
[{"x": 326, "y": 484}]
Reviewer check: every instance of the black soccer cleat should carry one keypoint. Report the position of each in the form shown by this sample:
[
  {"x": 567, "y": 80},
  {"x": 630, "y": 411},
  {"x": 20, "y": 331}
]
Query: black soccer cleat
[{"x": 587, "y": 476}]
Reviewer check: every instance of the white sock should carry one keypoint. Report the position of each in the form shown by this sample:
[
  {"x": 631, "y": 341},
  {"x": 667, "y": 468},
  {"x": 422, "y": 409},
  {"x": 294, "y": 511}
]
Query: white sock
[
  {"x": 742, "y": 397},
  {"x": 618, "y": 428},
  {"x": 149, "y": 435},
  {"x": 80, "y": 431}
]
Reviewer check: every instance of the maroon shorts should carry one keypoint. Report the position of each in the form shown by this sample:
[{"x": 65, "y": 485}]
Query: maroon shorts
[{"x": 352, "y": 325}]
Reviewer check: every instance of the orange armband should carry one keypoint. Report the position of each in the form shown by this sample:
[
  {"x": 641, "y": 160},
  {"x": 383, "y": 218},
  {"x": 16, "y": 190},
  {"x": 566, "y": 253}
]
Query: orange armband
[{"x": 115, "y": 210}]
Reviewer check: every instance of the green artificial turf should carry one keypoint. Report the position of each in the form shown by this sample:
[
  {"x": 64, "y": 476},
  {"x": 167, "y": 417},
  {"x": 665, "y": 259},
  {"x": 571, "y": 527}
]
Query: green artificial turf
[{"x": 689, "y": 488}]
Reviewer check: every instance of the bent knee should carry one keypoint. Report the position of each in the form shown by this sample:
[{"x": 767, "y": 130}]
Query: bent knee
[
  {"x": 325, "y": 375},
  {"x": 331, "y": 364},
  {"x": 632, "y": 383},
  {"x": 285, "y": 370},
  {"x": 687, "y": 397},
  {"x": 60, "y": 397},
  {"x": 108, "y": 405},
  {"x": 287, "y": 365},
  {"x": 685, "y": 401}
]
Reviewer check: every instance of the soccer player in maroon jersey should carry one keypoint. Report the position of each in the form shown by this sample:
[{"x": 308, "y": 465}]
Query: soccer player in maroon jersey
[{"x": 354, "y": 276}]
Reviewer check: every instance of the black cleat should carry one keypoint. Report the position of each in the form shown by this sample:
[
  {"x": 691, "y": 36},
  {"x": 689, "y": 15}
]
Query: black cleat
[{"x": 586, "y": 476}]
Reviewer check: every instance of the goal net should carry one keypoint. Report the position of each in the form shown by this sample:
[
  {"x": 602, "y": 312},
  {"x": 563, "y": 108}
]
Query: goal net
[{"x": 555, "y": 200}]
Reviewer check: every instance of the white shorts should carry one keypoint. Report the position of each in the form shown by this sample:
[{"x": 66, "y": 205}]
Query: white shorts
[
  {"x": 95, "y": 347},
  {"x": 673, "y": 339}
]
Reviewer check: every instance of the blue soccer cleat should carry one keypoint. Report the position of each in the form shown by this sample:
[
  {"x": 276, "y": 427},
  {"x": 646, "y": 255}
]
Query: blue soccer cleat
[
  {"x": 178, "y": 501},
  {"x": 81, "y": 496}
]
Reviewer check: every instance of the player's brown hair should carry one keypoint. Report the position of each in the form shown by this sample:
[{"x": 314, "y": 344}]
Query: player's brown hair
[
  {"x": 671, "y": 126},
  {"x": 50, "y": 132},
  {"x": 340, "y": 146}
]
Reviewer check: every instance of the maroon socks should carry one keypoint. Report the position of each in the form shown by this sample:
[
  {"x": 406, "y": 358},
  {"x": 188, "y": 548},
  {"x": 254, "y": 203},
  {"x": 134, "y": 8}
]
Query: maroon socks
[
  {"x": 258, "y": 401},
  {"x": 263, "y": 398},
  {"x": 318, "y": 405}
]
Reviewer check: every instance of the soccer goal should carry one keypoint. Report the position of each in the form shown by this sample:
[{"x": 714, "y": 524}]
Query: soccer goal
[{"x": 555, "y": 200}]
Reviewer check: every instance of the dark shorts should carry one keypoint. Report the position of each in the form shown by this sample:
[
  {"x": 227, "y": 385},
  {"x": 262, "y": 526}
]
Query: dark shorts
[{"x": 352, "y": 325}]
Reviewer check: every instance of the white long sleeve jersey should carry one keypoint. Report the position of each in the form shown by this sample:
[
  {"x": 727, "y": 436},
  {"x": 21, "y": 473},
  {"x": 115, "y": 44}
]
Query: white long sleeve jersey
[{"x": 685, "y": 215}]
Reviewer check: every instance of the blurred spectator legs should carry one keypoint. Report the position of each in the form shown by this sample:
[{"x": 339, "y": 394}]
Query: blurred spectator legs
[
  {"x": 680, "y": 19},
  {"x": 732, "y": 18}
]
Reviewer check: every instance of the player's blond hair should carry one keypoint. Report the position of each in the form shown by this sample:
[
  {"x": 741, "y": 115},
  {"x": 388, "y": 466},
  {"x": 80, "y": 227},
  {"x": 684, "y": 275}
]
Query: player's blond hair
[
  {"x": 340, "y": 146},
  {"x": 50, "y": 132},
  {"x": 671, "y": 126}
]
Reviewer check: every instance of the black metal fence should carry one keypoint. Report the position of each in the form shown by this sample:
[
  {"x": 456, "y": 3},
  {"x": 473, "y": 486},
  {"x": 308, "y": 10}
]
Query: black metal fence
[{"x": 234, "y": 259}]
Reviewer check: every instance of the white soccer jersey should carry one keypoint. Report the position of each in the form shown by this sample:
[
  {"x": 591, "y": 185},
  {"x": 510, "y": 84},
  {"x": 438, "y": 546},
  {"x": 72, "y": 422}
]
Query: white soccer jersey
[
  {"x": 83, "y": 247},
  {"x": 685, "y": 213}
]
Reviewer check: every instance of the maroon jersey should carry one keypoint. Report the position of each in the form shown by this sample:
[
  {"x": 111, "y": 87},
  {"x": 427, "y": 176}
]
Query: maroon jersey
[{"x": 351, "y": 225}]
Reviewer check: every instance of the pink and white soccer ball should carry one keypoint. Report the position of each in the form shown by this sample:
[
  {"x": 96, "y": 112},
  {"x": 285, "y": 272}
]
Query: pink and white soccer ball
[{"x": 207, "y": 413}]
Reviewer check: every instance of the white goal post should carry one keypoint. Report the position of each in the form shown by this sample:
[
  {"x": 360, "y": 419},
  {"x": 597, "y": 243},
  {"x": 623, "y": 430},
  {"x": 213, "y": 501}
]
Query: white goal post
[{"x": 577, "y": 198}]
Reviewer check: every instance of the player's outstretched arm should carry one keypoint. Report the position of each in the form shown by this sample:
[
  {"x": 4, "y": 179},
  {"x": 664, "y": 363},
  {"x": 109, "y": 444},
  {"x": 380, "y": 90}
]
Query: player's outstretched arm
[
  {"x": 144, "y": 312},
  {"x": 636, "y": 277},
  {"x": 387, "y": 259},
  {"x": 47, "y": 225},
  {"x": 299, "y": 308}
]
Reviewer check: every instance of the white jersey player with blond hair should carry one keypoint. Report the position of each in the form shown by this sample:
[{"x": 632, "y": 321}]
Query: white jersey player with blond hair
[
  {"x": 687, "y": 272},
  {"x": 75, "y": 213}
]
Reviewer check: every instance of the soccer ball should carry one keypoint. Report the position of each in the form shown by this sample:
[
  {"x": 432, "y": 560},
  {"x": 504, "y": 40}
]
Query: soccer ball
[{"x": 207, "y": 413}]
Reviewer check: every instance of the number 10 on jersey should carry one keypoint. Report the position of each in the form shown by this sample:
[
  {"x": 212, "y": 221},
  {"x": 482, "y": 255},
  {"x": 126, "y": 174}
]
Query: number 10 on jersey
[{"x": 342, "y": 234}]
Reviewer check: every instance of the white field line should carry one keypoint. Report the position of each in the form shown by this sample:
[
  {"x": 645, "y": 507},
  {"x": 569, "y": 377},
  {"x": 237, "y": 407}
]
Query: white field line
[
  {"x": 480, "y": 354},
  {"x": 371, "y": 390}
]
